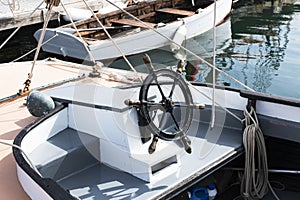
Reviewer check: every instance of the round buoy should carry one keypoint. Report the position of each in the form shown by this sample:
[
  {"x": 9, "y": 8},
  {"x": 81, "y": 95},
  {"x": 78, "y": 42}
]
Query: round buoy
[{"x": 39, "y": 104}]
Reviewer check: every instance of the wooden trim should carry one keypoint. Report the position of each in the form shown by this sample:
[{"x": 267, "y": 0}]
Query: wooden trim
[
  {"x": 149, "y": 15},
  {"x": 132, "y": 22},
  {"x": 176, "y": 11}
]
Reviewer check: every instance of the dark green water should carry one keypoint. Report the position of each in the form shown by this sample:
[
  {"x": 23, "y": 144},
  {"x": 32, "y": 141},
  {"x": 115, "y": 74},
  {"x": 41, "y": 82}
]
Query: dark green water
[
  {"x": 259, "y": 45},
  {"x": 264, "y": 49}
]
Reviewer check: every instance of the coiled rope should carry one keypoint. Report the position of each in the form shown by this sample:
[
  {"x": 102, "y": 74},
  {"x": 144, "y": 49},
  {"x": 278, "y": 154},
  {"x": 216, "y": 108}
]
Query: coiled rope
[{"x": 254, "y": 184}]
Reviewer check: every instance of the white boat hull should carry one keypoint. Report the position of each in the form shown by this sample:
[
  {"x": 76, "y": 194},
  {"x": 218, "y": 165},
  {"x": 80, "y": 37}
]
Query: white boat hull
[
  {"x": 64, "y": 43},
  {"x": 279, "y": 118}
]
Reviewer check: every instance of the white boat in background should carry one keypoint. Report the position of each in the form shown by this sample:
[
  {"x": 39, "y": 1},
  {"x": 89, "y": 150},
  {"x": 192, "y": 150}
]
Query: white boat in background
[{"x": 177, "y": 20}]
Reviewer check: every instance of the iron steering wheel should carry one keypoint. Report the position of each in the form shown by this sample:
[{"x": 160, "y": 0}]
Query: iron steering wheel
[{"x": 165, "y": 102}]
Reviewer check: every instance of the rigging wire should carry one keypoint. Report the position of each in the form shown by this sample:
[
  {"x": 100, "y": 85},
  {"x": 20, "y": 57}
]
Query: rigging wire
[
  {"x": 113, "y": 41},
  {"x": 213, "y": 108},
  {"x": 29, "y": 52},
  {"x": 48, "y": 15},
  {"x": 225, "y": 109},
  {"x": 17, "y": 29},
  {"x": 192, "y": 53},
  {"x": 73, "y": 24}
]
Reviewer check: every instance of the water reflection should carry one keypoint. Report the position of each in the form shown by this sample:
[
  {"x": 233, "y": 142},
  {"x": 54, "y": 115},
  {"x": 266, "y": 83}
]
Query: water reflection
[
  {"x": 258, "y": 45},
  {"x": 260, "y": 37}
]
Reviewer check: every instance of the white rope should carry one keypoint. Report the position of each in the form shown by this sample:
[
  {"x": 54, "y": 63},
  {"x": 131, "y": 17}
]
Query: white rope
[
  {"x": 12, "y": 6},
  {"x": 225, "y": 109},
  {"x": 213, "y": 108},
  {"x": 25, "y": 155},
  {"x": 41, "y": 38},
  {"x": 187, "y": 50},
  {"x": 15, "y": 31},
  {"x": 213, "y": 66},
  {"x": 73, "y": 24},
  {"x": 115, "y": 44},
  {"x": 254, "y": 184},
  {"x": 34, "y": 49}
]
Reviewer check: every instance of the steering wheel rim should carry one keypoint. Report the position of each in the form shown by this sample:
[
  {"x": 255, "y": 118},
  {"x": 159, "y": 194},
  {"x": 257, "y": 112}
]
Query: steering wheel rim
[{"x": 167, "y": 104}]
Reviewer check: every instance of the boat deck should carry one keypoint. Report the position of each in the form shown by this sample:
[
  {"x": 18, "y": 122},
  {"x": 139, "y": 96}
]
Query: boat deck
[
  {"x": 207, "y": 156},
  {"x": 45, "y": 72},
  {"x": 14, "y": 116},
  {"x": 91, "y": 179}
]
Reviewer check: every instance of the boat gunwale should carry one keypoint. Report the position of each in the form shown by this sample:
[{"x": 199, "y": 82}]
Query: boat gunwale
[
  {"x": 253, "y": 95},
  {"x": 138, "y": 8},
  {"x": 57, "y": 192},
  {"x": 49, "y": 185},
  {"x": 129, "y": 9},
  {"x": 195, "y": 178}
]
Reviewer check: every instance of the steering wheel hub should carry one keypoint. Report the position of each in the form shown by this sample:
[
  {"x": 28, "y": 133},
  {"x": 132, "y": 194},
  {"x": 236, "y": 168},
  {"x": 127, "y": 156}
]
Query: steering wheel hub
[{"x": 168, "y": 104}]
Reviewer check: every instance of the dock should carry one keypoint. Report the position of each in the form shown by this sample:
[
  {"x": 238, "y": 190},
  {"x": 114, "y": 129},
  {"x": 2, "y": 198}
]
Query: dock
[{"x": 19, "y": 12}]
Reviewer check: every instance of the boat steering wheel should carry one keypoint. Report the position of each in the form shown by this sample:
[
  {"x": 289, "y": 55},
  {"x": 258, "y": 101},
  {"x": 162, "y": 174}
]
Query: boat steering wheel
[{"x": 166, "y": 103}]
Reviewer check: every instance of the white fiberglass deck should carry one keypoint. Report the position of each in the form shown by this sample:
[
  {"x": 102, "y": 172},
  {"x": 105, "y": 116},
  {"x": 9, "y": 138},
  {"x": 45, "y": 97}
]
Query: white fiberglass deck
[
  {"x": 211, "y": 148},
  {"x": 99, "y": 181}
]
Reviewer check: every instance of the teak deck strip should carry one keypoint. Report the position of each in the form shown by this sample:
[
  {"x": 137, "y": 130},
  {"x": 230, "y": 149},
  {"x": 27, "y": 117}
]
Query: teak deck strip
[
  {"x": 132, "y": 22},
  {"x": 176, "y": 11}
]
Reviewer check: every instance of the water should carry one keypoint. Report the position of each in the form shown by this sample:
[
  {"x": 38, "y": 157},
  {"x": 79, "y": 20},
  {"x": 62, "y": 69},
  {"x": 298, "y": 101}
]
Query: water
[
  {"x": 258, "y": 45},
  {"x": 21, "y": 43},
  {"x": 264, "y": 48}
]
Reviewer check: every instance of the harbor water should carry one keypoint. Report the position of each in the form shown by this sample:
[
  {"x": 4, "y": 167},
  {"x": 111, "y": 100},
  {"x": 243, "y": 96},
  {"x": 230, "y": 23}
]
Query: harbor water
[{"x": 258, "y": 44}]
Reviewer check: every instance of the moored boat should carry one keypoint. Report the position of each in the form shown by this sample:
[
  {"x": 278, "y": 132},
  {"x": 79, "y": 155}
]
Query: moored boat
[
  {"x": 135, "y": 29},
  {"x": 122, "y": 135},
  {"x": 142, "y": 140}
]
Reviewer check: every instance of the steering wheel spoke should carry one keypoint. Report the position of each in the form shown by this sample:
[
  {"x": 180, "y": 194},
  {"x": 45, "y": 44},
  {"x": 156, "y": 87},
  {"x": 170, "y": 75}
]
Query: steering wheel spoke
[
  {"x": 169, "y": 114},
  {"x": 172, "y": 89},
  {"x": 175, "y": 121},
  {"x": 160, "y": 90}
]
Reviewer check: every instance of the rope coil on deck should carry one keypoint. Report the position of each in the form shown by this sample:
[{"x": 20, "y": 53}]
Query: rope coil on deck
[{"x": 254, "y": 184}]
